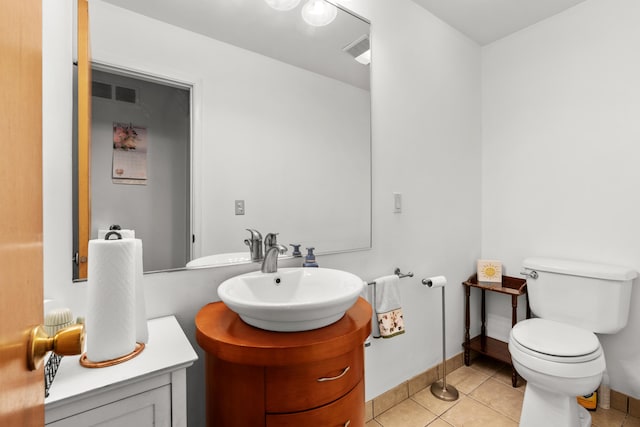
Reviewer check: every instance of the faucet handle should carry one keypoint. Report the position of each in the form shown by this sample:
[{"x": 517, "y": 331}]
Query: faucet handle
[
  {"x": 296, "y": 249},
  {"x": 281, "y": 249},
  {"x": 255, "y": 244},
  {"x": 255, "y": 234}
]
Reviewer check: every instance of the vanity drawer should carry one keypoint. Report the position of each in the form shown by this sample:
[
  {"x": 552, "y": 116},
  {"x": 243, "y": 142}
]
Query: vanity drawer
[
  {"x": 299, "y": 387},
  {"x": 348, "y": 411}
]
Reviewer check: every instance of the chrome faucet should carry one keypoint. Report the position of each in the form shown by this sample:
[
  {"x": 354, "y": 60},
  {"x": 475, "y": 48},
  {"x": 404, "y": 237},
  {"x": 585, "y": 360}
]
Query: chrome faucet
[
  {"x": 270, "y": 240},
  {"x": 255, "y": 244},
  {"x": 270, "y": 263}
]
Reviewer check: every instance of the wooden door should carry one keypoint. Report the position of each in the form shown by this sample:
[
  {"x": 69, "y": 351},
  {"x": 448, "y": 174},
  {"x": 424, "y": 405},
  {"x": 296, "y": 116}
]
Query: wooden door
[
  {"x": 84, "y": 139},
  {"x": 21, "y": 390}
]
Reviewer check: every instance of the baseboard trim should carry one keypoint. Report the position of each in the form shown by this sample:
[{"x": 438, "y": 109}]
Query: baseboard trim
[{"x": 406, "y": 389}]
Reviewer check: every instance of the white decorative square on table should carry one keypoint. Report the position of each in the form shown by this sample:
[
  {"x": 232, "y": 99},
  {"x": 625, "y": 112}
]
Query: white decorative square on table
[{"x": 490, "y": 272}]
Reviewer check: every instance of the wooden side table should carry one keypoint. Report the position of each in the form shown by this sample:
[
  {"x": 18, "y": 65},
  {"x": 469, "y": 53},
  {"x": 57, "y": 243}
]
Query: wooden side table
[{"x": 483, "y": 344}]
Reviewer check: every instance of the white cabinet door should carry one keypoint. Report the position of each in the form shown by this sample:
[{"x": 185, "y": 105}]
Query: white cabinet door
[{"x": 151, "y": 408}]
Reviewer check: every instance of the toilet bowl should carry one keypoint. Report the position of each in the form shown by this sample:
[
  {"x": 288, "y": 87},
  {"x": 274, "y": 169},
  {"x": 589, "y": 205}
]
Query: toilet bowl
[{"x": 559, "y": 362}]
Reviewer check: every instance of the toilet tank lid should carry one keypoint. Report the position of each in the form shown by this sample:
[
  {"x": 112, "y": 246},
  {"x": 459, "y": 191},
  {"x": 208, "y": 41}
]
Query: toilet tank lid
[{"x": 580, "y": 268}]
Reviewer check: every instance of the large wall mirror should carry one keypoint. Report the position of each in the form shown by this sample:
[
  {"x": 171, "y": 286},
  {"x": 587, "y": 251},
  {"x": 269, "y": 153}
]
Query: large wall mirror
[{"x": 278, "y": 126}]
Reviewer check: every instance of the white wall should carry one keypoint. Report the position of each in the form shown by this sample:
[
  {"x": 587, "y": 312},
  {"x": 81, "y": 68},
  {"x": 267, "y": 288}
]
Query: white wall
[
  {"x": 426, "y": 145},
  {"x": 426, "y": 126},
  {"x": 289, "y": 127},
  {"x": 561, "y": 142}
]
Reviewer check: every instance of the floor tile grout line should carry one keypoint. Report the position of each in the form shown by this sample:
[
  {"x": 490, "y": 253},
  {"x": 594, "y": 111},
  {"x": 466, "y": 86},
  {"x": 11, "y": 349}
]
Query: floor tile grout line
[
  {"x": 493, "y": 408},
  {"x": 439, "y": 416},
  {"x": 444, "y": 412},
  {"x": 477, "y": 386},
  {"x": 477, "y": 399}
]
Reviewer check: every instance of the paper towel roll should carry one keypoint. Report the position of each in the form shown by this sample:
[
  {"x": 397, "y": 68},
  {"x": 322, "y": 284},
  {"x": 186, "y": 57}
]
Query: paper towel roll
[
  {"x": 110, "y": 323},
  {"x": 435, "y": 282},
  {"x": 126, "y": 234},
  {"x": 142, "y": 332}
]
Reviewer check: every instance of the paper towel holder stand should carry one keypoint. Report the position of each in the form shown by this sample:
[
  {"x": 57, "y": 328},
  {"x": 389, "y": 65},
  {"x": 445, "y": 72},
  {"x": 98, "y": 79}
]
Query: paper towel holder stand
[
  {"x": 84, "y": 361},
  {"x": 106, "y": 363},
  {"x": 440, "y": 389},
  {"x": 113, "y": 233}
]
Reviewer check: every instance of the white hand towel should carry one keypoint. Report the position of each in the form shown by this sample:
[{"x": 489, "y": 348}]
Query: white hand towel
[{"x": 388, "y": 308}]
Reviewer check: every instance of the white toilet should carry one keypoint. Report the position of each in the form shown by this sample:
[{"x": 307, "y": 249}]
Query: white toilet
[{"x": 557, "y": 352}]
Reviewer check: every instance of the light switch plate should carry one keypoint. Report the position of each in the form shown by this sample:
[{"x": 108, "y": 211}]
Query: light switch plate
[
  {"x": 397, "y": 202},
  {"x": 239, "y": 207}
]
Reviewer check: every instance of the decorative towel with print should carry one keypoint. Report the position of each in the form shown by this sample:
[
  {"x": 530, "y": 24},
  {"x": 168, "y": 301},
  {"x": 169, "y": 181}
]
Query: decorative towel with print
[{"x": 388, "y": 309}]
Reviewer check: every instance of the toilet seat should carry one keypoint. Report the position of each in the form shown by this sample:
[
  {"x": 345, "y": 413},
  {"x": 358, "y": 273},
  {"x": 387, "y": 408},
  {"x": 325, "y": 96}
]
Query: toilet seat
[
  {"x": 555, "y": 341},
  {"x": 532, "y": 343}
]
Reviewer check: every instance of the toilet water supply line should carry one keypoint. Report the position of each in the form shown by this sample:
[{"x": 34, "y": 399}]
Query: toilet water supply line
[{"x": 442, "y": 392}]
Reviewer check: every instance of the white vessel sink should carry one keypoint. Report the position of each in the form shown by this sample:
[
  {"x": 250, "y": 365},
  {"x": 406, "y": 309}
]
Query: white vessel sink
[
  {"x": 229, "y": 258},
  {"x": 292, "y": 299},
  {"x": 219, "y": 259}
]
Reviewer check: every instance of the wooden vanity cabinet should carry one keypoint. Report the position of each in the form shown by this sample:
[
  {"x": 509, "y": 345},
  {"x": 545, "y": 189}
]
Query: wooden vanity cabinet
[
  {"x": 347, "y": 411},
  {"x": 276, "y": 379},
  {"x": 300, "y": 387}
]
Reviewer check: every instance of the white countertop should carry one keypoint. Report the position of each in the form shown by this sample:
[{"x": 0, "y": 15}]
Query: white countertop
[{"x": 167, "y": 350}]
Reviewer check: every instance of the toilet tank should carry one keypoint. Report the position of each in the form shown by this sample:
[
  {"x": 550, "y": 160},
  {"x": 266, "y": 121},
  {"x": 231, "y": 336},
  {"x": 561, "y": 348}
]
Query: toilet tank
[{"x": 592, "y": 296}]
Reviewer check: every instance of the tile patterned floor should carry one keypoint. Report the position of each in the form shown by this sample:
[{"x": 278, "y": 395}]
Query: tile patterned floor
[{"x": 486, "y": 400}]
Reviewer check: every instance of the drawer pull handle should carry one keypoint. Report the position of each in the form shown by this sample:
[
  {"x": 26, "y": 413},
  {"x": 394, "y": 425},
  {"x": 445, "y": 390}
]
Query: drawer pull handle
[
  {"x": 347, "y": 424},
  {"x": 342, "y": 374}
]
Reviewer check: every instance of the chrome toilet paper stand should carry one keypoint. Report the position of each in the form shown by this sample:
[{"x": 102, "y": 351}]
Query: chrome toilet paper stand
[{"x": 440, "y": 389}]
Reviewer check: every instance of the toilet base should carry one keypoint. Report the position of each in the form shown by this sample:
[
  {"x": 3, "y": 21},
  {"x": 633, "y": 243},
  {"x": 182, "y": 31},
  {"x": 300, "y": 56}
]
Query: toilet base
[{"x": 545, "y": 408}]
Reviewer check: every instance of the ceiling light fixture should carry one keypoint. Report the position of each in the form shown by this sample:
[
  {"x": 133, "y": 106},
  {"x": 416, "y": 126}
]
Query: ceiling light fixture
[
  {"x": 319, "y": 13},
  {"x": 282, "y": 5},
  {"x": 364, "y": 58}
]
